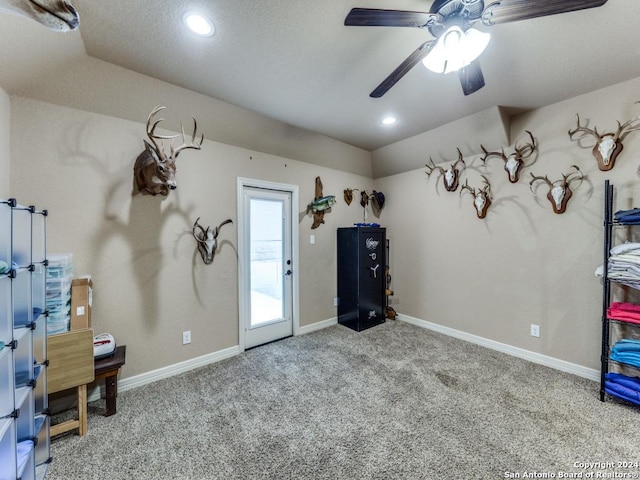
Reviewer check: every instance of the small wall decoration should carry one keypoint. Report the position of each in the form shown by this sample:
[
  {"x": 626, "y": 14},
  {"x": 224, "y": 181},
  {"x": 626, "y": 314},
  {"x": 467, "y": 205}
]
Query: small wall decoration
[
  {"x": 348, "y": 195},
  {"x": 559, "y": 191},
  {"x": 608, "y": 145},
  {"x": 320, "y": 205},
  {"x": 155, "y": 171},
  {"x": 58, "y": 15},
  {"x": 450, "y": 176},
  {"x": 514, "y": 162},
  {"x": 207, "y": 239},
  {"x": 481, "y": 196}
]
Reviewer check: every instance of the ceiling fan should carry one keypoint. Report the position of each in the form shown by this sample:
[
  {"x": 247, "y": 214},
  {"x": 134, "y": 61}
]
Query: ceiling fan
[{"x": 451, "y": 21}]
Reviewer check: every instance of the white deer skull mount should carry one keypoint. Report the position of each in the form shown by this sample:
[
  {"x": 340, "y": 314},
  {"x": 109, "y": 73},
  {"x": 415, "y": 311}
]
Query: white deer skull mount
[
  {"x": 608, "y": 145},
  {"x": 481, "y": 197},
  {"x": 155, "y": 171},
  {"x": 451, "y": 175},
  {"x": 207, "y": 239},
  {"x": 559, "y": 191},
  {"x": 514, "y": 162},
  {"x": 54, "y": 14}
]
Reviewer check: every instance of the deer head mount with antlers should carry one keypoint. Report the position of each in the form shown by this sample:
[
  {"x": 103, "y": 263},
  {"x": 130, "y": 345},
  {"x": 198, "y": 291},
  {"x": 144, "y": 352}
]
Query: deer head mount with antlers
[
  {"x": 54, "y": 14},
  {"x": 450, "y": 176},
  {"x": 207, "y": 239},
  {"x": 514, "y": 162},
  {"x": 608, "y": 145},
  {"x": 559, "y": 191},
  {"x": 481, "y": 196},
  {"x": 155, "y": 171}
]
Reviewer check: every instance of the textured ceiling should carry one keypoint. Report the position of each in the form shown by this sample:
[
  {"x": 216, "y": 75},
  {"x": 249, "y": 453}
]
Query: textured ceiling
[{"x": 296, "y": 62}]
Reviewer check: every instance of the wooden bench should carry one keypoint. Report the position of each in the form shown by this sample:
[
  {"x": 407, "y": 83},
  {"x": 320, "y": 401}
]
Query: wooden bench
[{"x": 107, "y": 369}]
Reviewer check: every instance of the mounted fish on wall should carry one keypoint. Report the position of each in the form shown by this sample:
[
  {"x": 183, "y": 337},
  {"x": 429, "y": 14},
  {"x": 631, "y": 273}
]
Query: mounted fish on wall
[
  {"x": 154, "y": 171},
  {"x": 320, "y": 205},
  {"x": 56, "y": 15}
]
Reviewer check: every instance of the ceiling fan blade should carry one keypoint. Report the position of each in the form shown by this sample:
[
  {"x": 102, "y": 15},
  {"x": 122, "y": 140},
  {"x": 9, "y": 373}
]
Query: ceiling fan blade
[
  {"x": 371, "y": 17},
  {"x": 403, "y": 68},
  {"x": 504, "y": 11},
  {"x": 471, "y": 78}
]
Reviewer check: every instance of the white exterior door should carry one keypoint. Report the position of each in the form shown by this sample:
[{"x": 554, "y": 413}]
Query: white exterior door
[{"x": 267, "y": 262}]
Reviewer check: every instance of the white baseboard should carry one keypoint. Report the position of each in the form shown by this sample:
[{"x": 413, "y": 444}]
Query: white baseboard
[
  {"x": 181, "y": 367},
  {"x": 562, "y": 365},
  {"x": 168, "y": 371},
  {"x": 318, "y": 326}
]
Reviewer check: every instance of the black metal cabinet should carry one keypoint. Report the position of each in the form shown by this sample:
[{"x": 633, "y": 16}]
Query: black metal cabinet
[{"x": 361, "y": 276}]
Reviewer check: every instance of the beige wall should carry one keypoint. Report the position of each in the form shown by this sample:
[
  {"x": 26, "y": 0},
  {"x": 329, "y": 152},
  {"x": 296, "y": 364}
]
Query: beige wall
[
  {"x": 149, "y": 284},
  {"x": 5, "y": 115},
  {"x": 492, "y": 278},
  {"x": 523, "y": 264}
]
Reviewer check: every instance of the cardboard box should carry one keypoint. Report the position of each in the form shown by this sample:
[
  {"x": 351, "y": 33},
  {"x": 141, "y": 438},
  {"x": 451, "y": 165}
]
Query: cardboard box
[{"x": 81, "y": 299}]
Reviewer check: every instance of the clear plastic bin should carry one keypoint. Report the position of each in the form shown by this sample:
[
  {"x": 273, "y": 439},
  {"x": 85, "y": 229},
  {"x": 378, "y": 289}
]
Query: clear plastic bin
[
  {"x": 8, "y": 448},
  {"x": 58, "y": 324},
  {"x": 60, "y": 265},
  {"x": 58, "y": 287}
]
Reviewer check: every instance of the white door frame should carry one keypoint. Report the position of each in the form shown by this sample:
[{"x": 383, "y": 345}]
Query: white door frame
[{"x": 242, "y": 313}]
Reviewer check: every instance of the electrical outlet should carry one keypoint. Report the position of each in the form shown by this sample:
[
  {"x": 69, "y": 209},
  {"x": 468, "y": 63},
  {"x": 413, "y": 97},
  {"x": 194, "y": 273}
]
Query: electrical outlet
[
  {"x": 312, "y": 239},
  {"x": 336, "y": 301},
  {"x": 535, "y": 330},
  {"x": 186, "y": 337}
]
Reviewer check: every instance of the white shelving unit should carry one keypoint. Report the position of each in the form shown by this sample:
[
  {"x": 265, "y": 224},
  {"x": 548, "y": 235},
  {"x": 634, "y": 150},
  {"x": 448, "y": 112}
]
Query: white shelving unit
[{"x": 24, "y": 416}]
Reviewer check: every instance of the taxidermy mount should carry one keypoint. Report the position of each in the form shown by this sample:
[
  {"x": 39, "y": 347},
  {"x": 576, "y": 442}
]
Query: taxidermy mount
[
  {"x": 155, "y": 171},
  {"x": 207, "y": 239},
  {"x": 320, "y": 205},
  {"x": 54, "y": 14}
]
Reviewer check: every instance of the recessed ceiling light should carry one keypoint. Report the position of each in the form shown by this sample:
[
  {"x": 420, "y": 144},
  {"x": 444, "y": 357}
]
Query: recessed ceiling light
[
  {"x": 198, "y": 23},
  {"x": 389, "y": 120}
]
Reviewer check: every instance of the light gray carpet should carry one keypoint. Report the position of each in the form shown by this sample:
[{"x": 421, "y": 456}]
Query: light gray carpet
[{"x": 392, "y": 402}]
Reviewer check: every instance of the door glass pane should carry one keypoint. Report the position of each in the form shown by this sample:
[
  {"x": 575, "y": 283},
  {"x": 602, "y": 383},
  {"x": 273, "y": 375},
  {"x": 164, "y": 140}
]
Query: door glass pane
[{"x": 267, "y": 255}]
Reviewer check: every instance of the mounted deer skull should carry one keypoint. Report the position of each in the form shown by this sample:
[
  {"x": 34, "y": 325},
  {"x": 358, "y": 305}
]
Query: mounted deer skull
[
  {"x": 608, "y": 145},
  {"x": 450, "y": 176},
  {"x": 514, "y": 163},
  {"x": 54, "y": 14},
  {"x": 207, "y": 240},
  {"x": 481, "y": 197},
  {"x": 559, "y": 191},
  {"x": 154, "y": 170}
]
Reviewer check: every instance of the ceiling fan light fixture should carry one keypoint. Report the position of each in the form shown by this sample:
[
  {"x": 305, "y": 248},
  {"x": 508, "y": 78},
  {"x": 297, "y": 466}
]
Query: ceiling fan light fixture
[
  {"x": 198, "y": 24},
  {"x": 456, "y": 49},
  {"x": 389, "y": 120}
]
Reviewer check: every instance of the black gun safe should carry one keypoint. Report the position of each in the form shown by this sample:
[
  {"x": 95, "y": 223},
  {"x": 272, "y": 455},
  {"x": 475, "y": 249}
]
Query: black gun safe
[{"x": 361, "y": 277}]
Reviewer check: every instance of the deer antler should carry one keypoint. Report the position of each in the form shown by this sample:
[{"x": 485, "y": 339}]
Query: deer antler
[
  {"x": 432, "y": 166},
  {"x": 151, "y": 133},
  {"x": 459, "y": 160},
  {"x": 584, "y": 130},
  {"x": 467, "y": 187},
  {"x": 527, "y": 149},
  {"x": 627, "y": 127},
  {"x": 203, "y": 233},
  {"x": 535, "y": 178},
  {"x": 488, "y": 154},
  {"x": 195, "y": 145}
]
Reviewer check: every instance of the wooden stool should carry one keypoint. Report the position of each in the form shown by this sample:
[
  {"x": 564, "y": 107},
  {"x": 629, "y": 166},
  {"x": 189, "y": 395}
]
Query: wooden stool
[
  {"x": 108, "y": 369},
  {"x": 71, "y": 365}
]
